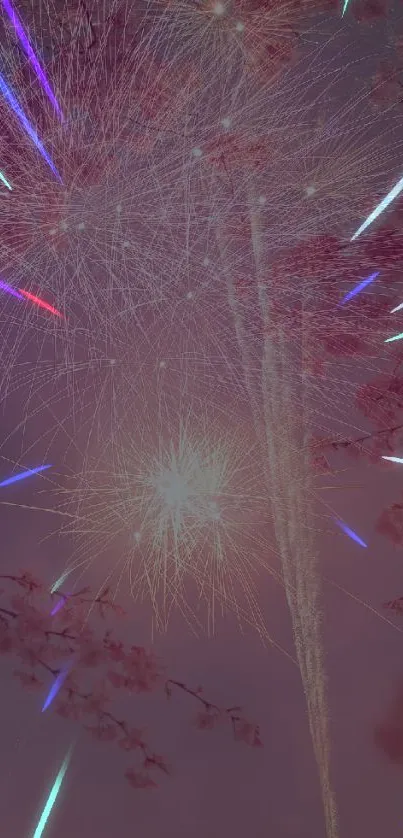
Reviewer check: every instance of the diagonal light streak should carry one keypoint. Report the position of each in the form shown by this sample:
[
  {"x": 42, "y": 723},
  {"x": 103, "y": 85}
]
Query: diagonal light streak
[
  {"x": 12, "y": 101},
  {"x": 52, "y": 797},
  {"x": 29, "y": 52},
  {"x": 380, "y": 208},
  {"x": 16, "y": 477},
  {"x": 359, "y": 288}
]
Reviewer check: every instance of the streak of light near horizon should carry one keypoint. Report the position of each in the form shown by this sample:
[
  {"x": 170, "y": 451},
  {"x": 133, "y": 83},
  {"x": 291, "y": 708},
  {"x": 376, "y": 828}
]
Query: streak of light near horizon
[
  {"x": 359, "y": 288},
  {"x": 16, "y": 107},
  {"x": 16, "y": 477},
  {"x": 29, "y": 52},
  {"x": 346, "y": 2},
  {"x": 380, "y": 208},
  {"x": 397, "y": 308},
  {"x": 52, "y": 796},
  {"x": 393, "y": 459},
  {"x": 350, "y": 533}
]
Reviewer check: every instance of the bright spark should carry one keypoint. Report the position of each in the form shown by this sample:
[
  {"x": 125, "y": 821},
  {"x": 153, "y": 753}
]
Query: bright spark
[
  {"x": 393, "y": 459},
  {"x": 59, "y": 581},
  {"x": 12, "y": 101},
  {"x": 52, "y": 797},
  {"x": 394, "y": 310},
  {"x": 395, "y": 337},
  {"x": 346, "y": 2},
  {"x": 5, "y": 287},
  {"x": 56, "y": 686},
  {"x": 380, "y": 208},
  {"x": 358, "y": 288},
  {"x": 350, "y": 533},
  {"x": 5, "y": 181},
  {"x": 40, "y": 303},
  {"x": 31, "y": 55},
  {"x": 192, "y": 515},
  {"x": 16, "y": 477},
  {"x": 59, "y": 605}
]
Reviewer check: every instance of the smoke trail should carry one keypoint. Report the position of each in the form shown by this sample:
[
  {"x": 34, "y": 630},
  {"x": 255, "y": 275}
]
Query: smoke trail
[{"x": 285, "y": 414}]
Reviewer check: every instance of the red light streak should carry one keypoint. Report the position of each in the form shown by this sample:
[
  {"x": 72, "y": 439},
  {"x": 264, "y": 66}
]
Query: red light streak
[{"x": 40, "y": 303}]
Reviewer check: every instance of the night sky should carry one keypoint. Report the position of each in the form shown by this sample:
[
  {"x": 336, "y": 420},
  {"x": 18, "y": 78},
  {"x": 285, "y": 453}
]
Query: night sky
[{"x": 188, "y": 349}]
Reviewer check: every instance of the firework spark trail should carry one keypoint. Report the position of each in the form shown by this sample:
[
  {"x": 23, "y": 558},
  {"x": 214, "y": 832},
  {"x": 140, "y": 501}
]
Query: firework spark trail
[
  {"x": 57, "y": 685},
  {"x": 288, "y": 482},
  {"x": 299, "y": 561},
  {"x": 275, "y": 405},
  {"x": 41, "y": 303},
  {"x": 395, "y": 337},
  {"x": 31, "y": 55},
  {"x": 4, "y": 286},
  {"x": 287, "y": 449},
  {"x": 16, "y": 107},
  {"x": 358, "y": 288},
  {"x": 52, "y": 797},
  {"x": 16, "y": 477},
  {"x": 384, "y": 204},
  {"x": 5, "y": 181},
  {"x": 348, "y": 531}
]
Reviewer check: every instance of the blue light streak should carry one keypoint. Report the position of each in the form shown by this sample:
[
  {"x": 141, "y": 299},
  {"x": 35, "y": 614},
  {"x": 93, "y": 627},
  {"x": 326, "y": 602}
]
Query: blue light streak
[
  {"x": 16, "y": 477},
  {"x": 12, "y": 101},
  {"x": 350, "y": 533},
  {"x": 359, "y": 288}
]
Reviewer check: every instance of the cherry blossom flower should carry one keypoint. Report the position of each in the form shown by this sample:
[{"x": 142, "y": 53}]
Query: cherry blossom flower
[
  {"x": 390, "y": 523},
  {"x": 206, "y": 720},
  {"x": 38, "y": 639},
  {"x": 139, "y": 780}
]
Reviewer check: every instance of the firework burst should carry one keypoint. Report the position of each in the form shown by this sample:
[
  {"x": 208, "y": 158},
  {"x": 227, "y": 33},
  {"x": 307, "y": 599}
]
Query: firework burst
[{"x": 181, "y": 513}]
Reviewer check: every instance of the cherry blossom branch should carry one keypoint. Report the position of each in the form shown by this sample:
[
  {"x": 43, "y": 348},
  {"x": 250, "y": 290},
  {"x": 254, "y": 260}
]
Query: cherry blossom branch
[
  {"x": 25, "y": 632},
  {"x": 347, "y": 442}
]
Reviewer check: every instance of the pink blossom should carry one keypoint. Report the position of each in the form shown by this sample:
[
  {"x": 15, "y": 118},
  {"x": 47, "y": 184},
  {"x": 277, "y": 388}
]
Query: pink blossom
[
  {"x": 68, "y": 710},
  {"x": 366, "y": 11},
  {"x": 246, "y": 732},
  {"x": 141, "y": 668},
  {"x": 156, "y": 761},
  {"x": 206, "y": 720},
  {"x": 115, "y": 650},
  {"x": 27, "y": 580},
  {"x": 102, "y": 732},
  {"x": 139, "y": 780},
  {"x": 117, "y": 679},
  {"x": 390, "y": 523},
  {"x": 94, "y": 704},
  {"x": 133, "y": 740},
  {"x": 91, "y": 655},
  {"x": 28, "y": 679}
]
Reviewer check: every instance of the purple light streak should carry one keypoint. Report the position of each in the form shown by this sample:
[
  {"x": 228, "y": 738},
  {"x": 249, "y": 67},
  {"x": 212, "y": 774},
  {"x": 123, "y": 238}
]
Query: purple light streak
[
  {"x": 5, "y": 287},
  {"x": 358, "y": 288},
  {"x": 350, "y": 533},
  {"x": 12, "y": 101},
  {"x": 56, "y": 686},
  {"x": 31, "y": 55},
  {"x": 16, "y": 477},
  {"x": 59, "y": 605}
]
